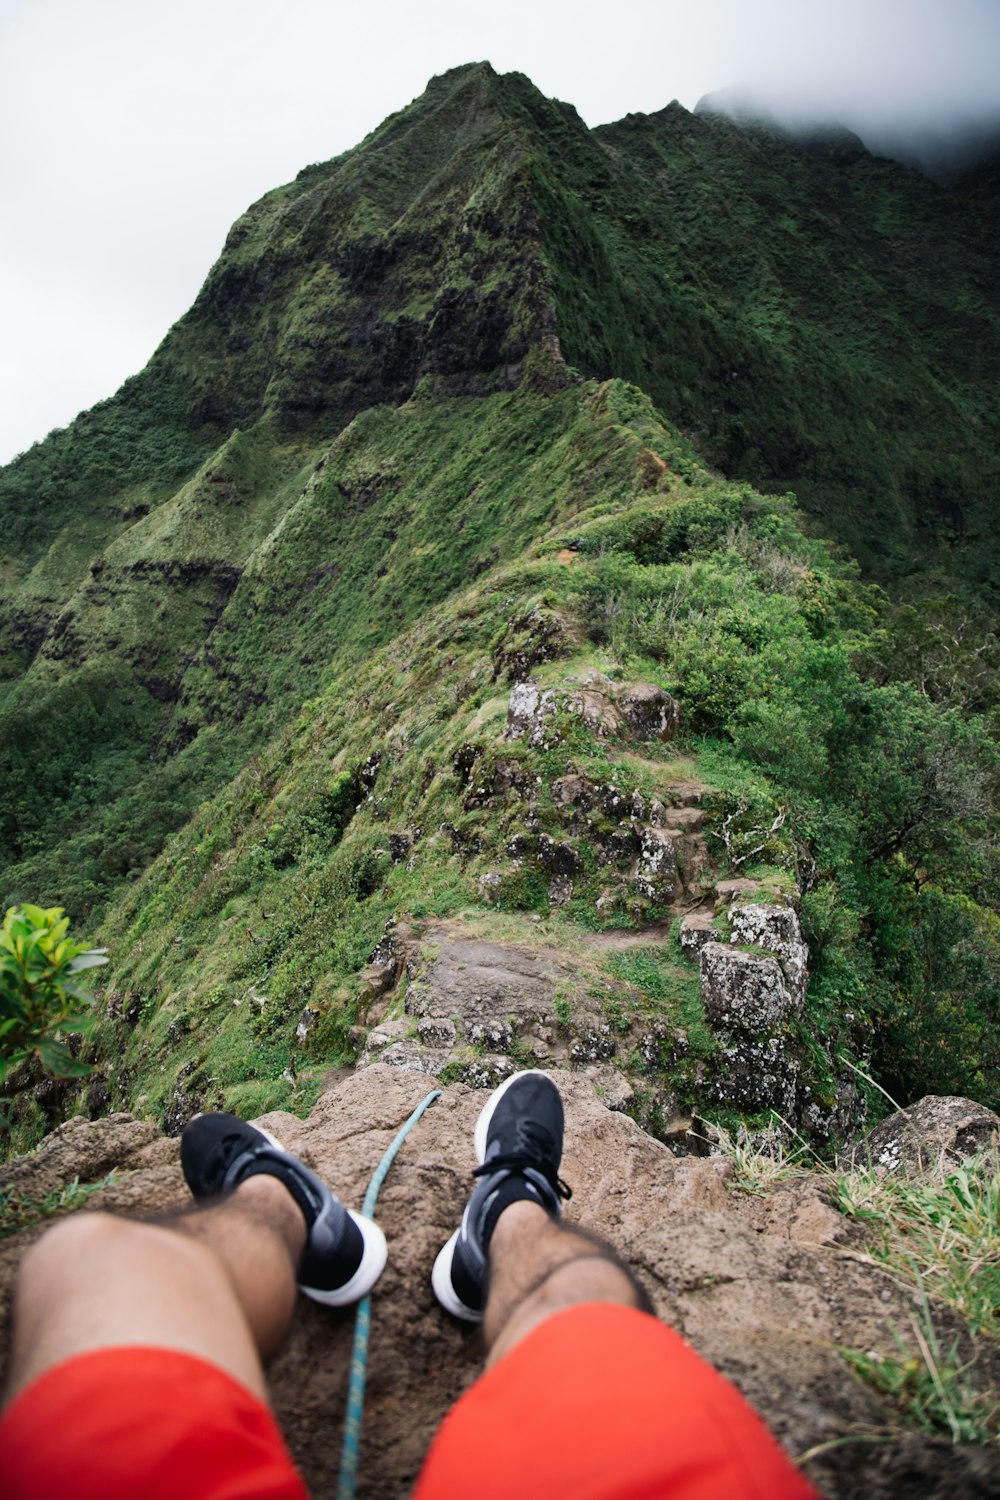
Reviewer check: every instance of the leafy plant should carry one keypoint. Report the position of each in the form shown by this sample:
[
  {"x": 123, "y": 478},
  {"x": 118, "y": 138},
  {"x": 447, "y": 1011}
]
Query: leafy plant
[{"x": 40, "y": 1001}]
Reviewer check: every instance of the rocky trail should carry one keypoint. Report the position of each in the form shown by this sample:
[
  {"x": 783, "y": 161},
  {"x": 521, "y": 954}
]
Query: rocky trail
[{"x": 766, "y": 1287}]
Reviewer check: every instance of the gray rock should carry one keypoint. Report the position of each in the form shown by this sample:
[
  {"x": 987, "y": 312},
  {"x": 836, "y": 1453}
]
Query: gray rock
[
  {"x": 528, "y": 711},
  {"x": 657, "y": 877},
  {"x": 696, "y": 931},
  {"x": 939, "y": 1125},
  {"x": 495, "y": 1035},
  {"x": 412, "y": 1057},
  {"x": 593, "y": 1044},
  {"x": 382, "y": 1036},
  {"x": 436, "y": 1031},
  {"x": 486, "y": 1072},
  {"x": 743, "y": 992},
  {"x": 478, "y": 980},
  {"x": 753, "y": 1073},
  {"x": 593, "y": 702},
  {"x": 307, "y": 1020},
  {"x": 777, "y": 929},
  {"x": 650, "y": 713}
]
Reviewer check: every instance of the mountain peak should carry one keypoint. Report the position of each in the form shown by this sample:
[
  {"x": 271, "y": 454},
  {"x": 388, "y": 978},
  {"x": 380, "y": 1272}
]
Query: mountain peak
[{"x": 819, "y": 135}]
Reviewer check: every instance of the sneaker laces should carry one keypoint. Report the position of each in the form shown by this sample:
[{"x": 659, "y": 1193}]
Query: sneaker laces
[{"x": 533, "y": 1148}]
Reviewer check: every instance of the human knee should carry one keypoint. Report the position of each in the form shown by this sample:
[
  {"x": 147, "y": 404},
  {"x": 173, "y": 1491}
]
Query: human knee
[
  {"x": 66, "y": 1249},
  {"x": 93, "y": 1247}
]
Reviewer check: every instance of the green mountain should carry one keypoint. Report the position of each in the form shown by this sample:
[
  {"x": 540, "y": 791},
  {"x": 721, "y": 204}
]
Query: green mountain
[{"x": 441, "y": 568}]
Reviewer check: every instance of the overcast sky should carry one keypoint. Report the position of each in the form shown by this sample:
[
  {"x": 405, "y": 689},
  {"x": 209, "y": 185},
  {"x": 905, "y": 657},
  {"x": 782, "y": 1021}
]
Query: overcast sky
[{"x": 133, "y": 132}]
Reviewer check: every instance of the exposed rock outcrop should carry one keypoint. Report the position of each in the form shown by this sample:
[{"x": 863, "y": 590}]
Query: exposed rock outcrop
[
  {"x": 639, "y": 710},
  {"x": 918, "y": 1137},
  {"x": 760, "y": 1286}
]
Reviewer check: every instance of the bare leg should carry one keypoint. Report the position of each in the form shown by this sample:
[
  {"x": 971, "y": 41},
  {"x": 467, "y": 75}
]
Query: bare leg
[
  {"x": 537, "y": 1268},
  {"x": 218, "y": 1282}
]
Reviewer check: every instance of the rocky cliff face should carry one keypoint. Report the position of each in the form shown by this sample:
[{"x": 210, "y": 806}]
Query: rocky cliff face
[{"x": 766, "y": 1287}]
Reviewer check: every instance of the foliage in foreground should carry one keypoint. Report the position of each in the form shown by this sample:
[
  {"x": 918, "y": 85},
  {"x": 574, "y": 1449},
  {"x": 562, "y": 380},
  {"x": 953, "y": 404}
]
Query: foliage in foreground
[{"x": 41, "y": 1003}]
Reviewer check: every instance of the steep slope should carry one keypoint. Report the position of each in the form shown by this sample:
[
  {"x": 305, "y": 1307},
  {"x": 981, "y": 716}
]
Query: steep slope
[
  {"x": 412, "y": 258},
  {"x": 403, "y": 622},
  {"x": 651, "y": 716},
  {"x": 817, "y": 319}
]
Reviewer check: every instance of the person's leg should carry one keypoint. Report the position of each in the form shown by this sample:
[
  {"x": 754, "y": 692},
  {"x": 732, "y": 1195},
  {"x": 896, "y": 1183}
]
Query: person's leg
[
  {"x": 585, "y": 1393},
  {"x": 511, "y": 1263},
  {"x": 217, "y": 1282},
  {"x": 141, "y": 1344},
  {"x": 537, "y": 1268}
]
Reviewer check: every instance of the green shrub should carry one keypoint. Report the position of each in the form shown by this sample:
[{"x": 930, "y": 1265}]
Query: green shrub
[{"x": 40, "y": 1002}]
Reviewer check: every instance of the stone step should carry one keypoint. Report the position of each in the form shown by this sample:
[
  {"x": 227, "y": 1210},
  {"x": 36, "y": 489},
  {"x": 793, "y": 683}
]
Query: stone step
[
  {"x": 697, "y": 930},
  {"x": 684, "y": 793},
  {"x": 685, "y": 819}
]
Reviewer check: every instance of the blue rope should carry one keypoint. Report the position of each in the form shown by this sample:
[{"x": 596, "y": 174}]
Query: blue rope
[{"x": 348, "y": 1478}]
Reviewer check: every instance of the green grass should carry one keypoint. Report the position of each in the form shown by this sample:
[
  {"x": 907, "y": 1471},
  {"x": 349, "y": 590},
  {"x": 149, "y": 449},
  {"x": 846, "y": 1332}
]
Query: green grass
[
  {"x": 932, "y": 1384},
  {"x": 20, "y": 1209},
  {"x": 941, "y": 1231},
  {"x": 355, "y": 490},
  {"x": 938, "y": 1234}
]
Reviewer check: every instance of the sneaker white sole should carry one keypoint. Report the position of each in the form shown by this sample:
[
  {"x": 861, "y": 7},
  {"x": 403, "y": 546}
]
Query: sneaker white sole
[
  {"x": 373, "y": 1259},
  {"x": 441, "y": 1281},
  {"x": 486, "y": 1114},
  {"x": 443, "y": 1289}
]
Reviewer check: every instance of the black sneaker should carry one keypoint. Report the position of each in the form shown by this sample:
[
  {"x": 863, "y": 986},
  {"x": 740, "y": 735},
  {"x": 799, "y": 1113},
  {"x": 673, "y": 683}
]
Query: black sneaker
[
  {"x": 344, "y": 1255},
  {"x": 518, "y": 1143}
]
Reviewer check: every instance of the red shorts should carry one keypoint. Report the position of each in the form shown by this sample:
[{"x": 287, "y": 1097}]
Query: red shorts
[
  {"x": 142, "y": 1424},
  {"x": 602, "y": 1402},
  {"x": 599, "y": 1403}
]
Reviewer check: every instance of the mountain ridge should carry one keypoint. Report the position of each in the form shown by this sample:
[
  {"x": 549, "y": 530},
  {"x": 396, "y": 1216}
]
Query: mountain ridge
[{"x": 493, "y": 404}]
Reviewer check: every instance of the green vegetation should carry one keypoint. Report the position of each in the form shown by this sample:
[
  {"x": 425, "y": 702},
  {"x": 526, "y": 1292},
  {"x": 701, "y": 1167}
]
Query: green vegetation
[
  {"x": 937, "y": 1233},
  {"x": 20, "y": 1209},
  {"x": 799, "y": 312},
  {"x": 41, "y": 1003},
  {"x": 260, "y": 633},
  {"x": 940, "y": 1230},
  {"x": 934, "y": 1387}
]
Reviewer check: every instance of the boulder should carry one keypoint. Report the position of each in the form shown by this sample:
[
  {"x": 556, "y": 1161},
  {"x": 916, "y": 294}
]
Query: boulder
[
  {"x": 937, "y": 1126},
  {"x": 593, "y": 701},
  {"x": 657, "y": 876},
  {"x": 753, "y": 1074},
  {"x": 528, "y": 711},
  {"x": 696, "y": 931},
  {"x": 776, "y": 929},
  {"x": 650, "y": 713},
  {"x": 743, "y": 991}
]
